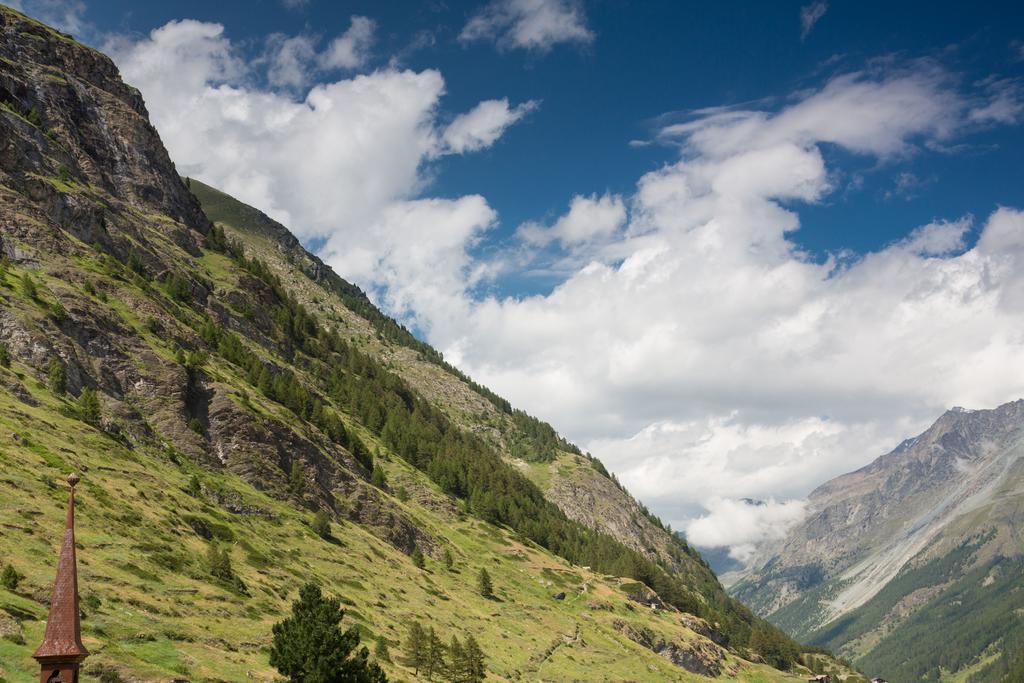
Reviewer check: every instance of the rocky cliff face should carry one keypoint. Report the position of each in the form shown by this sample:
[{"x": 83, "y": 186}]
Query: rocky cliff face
[{"x": 886, "y": 544}]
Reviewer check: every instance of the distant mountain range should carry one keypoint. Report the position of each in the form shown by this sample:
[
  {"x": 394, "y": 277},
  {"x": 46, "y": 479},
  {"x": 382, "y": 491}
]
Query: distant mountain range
[{"x": 912, "y": 566}]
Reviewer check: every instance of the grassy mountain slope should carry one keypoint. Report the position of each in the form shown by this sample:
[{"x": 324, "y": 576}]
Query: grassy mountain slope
[
  {"x": 241, "y": 389},
  {"x": 928, "y": 536},
  {"x": 577, "y": 483}
]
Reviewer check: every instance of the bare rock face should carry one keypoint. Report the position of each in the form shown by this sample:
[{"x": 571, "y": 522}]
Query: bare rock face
[
  {"x": 699, "y": 656},
  {"x": 384, "y": 520},
  {"x": 102, "y": 125},
  {"x": 702, "y": 627}
]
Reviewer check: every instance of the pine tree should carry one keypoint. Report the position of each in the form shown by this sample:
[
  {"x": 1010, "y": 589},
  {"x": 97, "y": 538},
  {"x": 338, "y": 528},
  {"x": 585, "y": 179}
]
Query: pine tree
[
  {"x": 456, "y": 661},
  {"x": 28, "y": 287},
  {"x": 310, "y": 647},
  {"x": 219, "y": 561},
  {"x": 297, "y": 479},
  {"x": 435, "y": 663},
  {"x": 476, "y": 668},
  {"x": 483, "y": 583},
  {"x": 57, "y": 377},
  {"x": 414, "y": 651},
  {"x": 194, "y": 488},
  {"x": 9, "y": 579},
  {"x": 5, "y": 356},
  {"x": 449, "y": 561},
  {"x": 377, "y": 477},
  {"x": 88, "y": 407},
  {"x": 417, "y": 557},
  {"x": 381, "y": 652},
  {"x": 322, "y": 524}
]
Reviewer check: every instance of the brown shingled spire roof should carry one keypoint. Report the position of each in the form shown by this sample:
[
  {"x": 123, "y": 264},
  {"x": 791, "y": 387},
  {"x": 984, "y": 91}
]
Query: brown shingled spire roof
[{"x": 62, "y": 651}]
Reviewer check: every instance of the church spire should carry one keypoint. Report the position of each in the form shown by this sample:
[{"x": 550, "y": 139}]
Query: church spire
[{"x": 62, "y": 651}]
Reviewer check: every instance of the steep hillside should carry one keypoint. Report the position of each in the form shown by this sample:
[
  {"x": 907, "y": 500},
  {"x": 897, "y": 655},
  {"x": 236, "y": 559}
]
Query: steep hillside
[
  {"x": 576, "y": 482},
  {"x": 220, "y": 389},
  {"x": 929, "y": 535}
]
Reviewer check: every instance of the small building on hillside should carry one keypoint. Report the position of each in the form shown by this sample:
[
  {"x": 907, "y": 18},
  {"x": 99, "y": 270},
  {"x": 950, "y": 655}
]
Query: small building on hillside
[{"x": 820, "y": 678}]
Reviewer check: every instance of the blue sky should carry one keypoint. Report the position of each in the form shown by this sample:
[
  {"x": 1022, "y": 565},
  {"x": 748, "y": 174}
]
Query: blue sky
[{"x": 733, "y": 249}]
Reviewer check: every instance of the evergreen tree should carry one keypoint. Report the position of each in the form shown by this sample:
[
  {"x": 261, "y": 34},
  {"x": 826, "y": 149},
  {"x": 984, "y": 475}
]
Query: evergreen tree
[
  {"x": 194, "y": 488},
  {"x": 219, "y": 562},
  {"x": 88, "y": 407},
  {"x": 417, "y": 557},
  {"x": 28, "y": 287},
  {"x": 57, "y": 377},
  {"x": 297, "y": 479},
  {"x": 377, "y": 477},
  {"x": 5, "y": 356},
  {"x": 9, "y": 579},
  {"x": 381, "y": 652},
  {"x": 435, "y": 663},
  {"x": 58, "y": 312},
  {"x": 476, "y": 668},
  {"x": 414, "y": 651},
  {"x": 483, "y": 584},
  {"x": 310, "y": 647},
  {"x": 774, "y": 646},
  {"x": 456, "y": 661},
  {"x": 449, "y": 561},
  {"x": 322, "y": 524}
]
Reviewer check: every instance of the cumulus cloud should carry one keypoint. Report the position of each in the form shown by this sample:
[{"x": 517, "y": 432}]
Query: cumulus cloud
[
  {"x": 351, "y": 49},
  {"x": 484, "y": 124},
  {"x": 290, "y": 60},
  {"x": 367, "y": 138},
  {"x": 589, "y": 218},
  {"x": 293, "y": 62},
  {"x": 809, "y": 16},
  {"x": 534, "y": 25},
  {"x": 941, "y": 238}
]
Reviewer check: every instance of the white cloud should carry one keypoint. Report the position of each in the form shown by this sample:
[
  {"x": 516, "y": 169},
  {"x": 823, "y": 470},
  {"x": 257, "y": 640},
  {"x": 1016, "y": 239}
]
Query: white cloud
[
  {"x": 415, "y": 255},
  {"x": 743, "y": 524},
  {"x": 326, "y": 166},
  {"x": 941, "y": 238},
  {"x": 589, "y": 218},
  {"x": 1004, "y": 104},
  {"x": 350, "y": 50},
  {"x": 290, "y": 60},
  {"x": 484, "y": 124},
  {"x": 810, "y": 15},
  {"x": 535, "y": 25}
]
